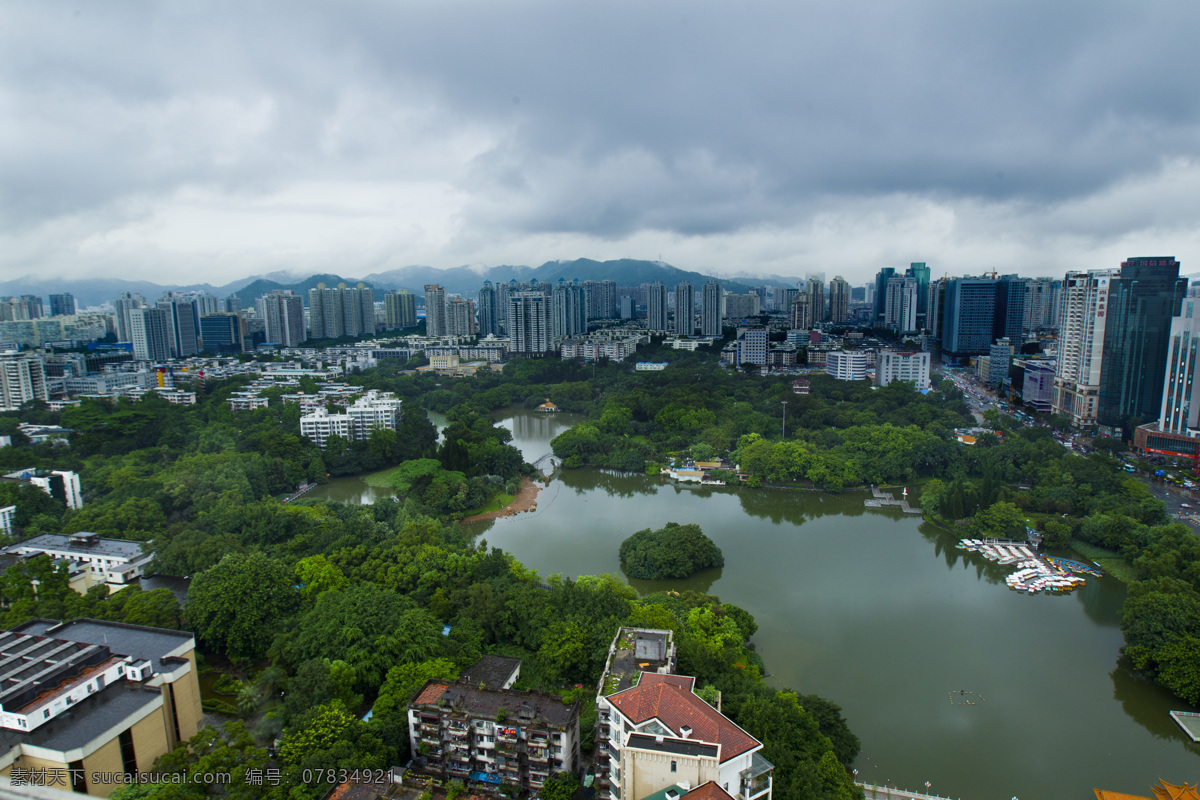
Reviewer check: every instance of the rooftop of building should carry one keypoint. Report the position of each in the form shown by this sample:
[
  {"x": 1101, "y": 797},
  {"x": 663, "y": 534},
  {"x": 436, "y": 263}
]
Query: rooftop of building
[
  {"x": 140, "y": 642},
  {"x": 637, "y": 650},
  {"x": 521, "y": 708},
  {"x": 705, "y": 791},
  {"x": 670, "y": 700},
  {"x": 84, "y": 543},
  {"x": 87, "y": 719},
  {"x": 670, "y": 744},
  {"x": 490, "y": 671}
]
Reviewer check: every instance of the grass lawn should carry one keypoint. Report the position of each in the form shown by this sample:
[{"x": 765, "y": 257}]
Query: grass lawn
[
  {"x": 380, "y": 479},
  {"x": 1110, "y": 561},
  {"x": 495, "y": 504}
]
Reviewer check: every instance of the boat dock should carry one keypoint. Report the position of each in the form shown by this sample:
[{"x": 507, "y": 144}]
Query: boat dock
[
  {"x": 304, "y": 489},
  {"x": 1189, "y": 721},
  {"x": 873, "y": 792},
  {"x": 880, "y": 499},
  {"x": 1035, "y": 573}
]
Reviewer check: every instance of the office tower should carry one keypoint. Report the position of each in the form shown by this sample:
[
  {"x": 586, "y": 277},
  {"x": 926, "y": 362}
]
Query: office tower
[
  {"x": 490, "y": 310},
  {"x": 282, "y": 312},
  {"x": 977, "y": 311},
  {"x": 1081, "y": 325},
  {"x": 122, "y": 307},
  {"x": 816, "y": 298},
  {"x": 1142, "y": 301},
  {"x": 568, "y": 309},
  {"x": 460, "y": 317},
  {"x": 935, "y": 305},
  {"x": 1000, "y": 356},
  {"x": 892, "y": 366},
  {"x": 685, "y": 308},
  {"x": 881, "y": 279},
  {"x": 435, "y": 310},
  {"x": 656, "y": 307},
  {"x": 601, "y": 299},
  {"x": 62, "y": 304},
  {"x": 710, "y": 309},
  {"x": 150, "y": 332},
  {"x": 900, "y": 306},
  {"x": 839, "y": 300},
  {"x": 1180, "y": 413},
  {"x": 920, "y": 273},
  {"x": 233, "y": 304},
  {"x": 529, "y": 322},
  {"x": 205, "y": 303},
  {"x": 800, "y": 313},
  {"x": 22, "y": 378},
  {"x": 400, "y": 309},
  {"x": 182, "y": 325},
  {"x": 222, "y": 332}
]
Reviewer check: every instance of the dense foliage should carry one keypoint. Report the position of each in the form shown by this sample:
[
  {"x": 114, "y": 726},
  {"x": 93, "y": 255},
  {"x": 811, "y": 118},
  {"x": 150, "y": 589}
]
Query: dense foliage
[{"x": 672, "y": 551}]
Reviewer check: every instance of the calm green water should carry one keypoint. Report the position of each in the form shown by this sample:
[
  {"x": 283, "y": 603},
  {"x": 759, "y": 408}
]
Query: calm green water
[{"x": 882, "y": 614}]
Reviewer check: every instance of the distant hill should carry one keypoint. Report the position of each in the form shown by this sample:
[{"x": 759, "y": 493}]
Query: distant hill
[{"x": 456, "y": 280}]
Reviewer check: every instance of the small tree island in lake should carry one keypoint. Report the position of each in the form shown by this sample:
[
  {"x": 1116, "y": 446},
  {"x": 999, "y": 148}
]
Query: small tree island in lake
[{"x": 673, "y": 551}]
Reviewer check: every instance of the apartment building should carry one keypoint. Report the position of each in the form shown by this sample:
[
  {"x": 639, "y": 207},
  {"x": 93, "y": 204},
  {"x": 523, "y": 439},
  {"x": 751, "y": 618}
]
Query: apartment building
[
  {"x": 373, "y": 411},
  {"x": 654, "y": 734},
  {"x": 86, "y": 699},
  {"x": 61, "y": 484},
  {"x": 488, "y": 736}
]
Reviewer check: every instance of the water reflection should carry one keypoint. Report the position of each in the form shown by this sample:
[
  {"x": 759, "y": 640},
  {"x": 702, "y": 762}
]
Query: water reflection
[{"x": 1149, "y": 705}]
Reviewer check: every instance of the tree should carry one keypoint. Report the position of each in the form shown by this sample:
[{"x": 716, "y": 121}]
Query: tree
[
  {"x": 1001, "y": 519},
  {"x": 673, "y": 551},
  {"x": 232, "y": 605}
]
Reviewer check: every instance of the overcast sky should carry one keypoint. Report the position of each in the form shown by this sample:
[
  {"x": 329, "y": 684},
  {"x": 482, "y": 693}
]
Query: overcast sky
[{"x": 206, "y": 141}]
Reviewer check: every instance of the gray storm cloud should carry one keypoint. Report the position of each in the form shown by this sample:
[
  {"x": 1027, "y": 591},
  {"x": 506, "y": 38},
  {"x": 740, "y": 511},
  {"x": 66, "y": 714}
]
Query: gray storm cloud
[{"x": 773, "y": 137}]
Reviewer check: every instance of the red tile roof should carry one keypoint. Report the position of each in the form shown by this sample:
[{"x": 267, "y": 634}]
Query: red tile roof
[
  {"x": 670, "y": 699},
  {"x": 430, "y": 694},
  {"x": 707, "y": 791}
]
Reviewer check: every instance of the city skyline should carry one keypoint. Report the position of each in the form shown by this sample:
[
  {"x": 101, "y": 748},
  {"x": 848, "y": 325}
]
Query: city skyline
[{"x": 165, "y": 142}]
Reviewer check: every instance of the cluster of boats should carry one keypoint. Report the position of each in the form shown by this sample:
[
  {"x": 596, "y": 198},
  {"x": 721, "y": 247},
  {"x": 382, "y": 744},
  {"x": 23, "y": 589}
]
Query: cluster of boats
[{"x": 1034, "y": 574}]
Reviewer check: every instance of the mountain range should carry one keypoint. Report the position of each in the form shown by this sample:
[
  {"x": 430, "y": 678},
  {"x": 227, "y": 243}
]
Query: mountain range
[{"x": 456, "y": 280}]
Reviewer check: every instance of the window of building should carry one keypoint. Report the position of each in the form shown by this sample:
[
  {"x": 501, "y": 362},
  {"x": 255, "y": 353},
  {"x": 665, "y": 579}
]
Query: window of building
[{"x": 675, "y": 766}]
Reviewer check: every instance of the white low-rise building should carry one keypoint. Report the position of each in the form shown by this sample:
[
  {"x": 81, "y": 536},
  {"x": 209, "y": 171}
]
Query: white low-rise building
[
  {"x": 893, "y": 365},
  {"x": 847, "y": 365},
  {"x": 374, "y": 411},
  {"x": 115, "y": 562},
  {"x": 62, "y": 484},
  {"x": 320, "y": 425}
]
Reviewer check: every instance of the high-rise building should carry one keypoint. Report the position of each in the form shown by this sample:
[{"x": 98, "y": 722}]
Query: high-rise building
[
  {"x": 1000, "y": 356},
  {"x": 739, "y": 306},
  {"x": 1180, "y": 413},
  {"x": 920, "y": 273},
  {"x": 282, "y": 312},
  {"x": 183, "y": 325},
  {"x": 839, "y": 300},
  {"x": 460, "y": 317},
  {"x": 150, "y": 332},
  {"x": 400, "y": 309},
  {"x": 1041, "y": 303},
  {"x": 816, "y": 297},
  {"x": 1142, "y": 301},
  {"x": 233, "y": 304},
  {"x": 800, "y": 316},
  {"x": 977, "y": 311},
  {"x": 656, "y": 307},
  {"x": 435, "y": 310},
  {"x": 685, "y": 309},
  {"x": 62, "y": 304},
  {"x": 529, "y": 322},
  {"x": 881, "y": 280},
  {"x": 1082, "y": 320},
  {"x": 710, "y": 309},
  {"x": 22, "y": 378},
  {"x": 568, "y": 305},
  {"x": 900, "y": 306},
  {"x": 601, "y": 299},
  {"x": 121, "y": 308},
  {"x": 222, "y": 332},
  {"x": 342, "y": 311},
  {"x": 491, "y": 311}
]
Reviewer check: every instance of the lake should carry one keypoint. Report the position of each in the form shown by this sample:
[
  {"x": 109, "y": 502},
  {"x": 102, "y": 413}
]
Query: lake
[{"x": 945, "y": 674}]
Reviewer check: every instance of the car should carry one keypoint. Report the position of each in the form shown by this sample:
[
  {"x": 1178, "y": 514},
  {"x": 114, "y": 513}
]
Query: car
[{"x": 1186, "y": 505}]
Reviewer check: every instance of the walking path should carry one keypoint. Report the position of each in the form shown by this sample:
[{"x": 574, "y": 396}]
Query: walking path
[
  {"x": 882, "y": 499},
  {"x": 873, "y": 792}
]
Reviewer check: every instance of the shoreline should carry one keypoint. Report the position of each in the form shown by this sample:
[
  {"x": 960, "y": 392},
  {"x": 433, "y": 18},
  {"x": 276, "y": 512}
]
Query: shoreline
[{"x": 526, "y": 500}]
